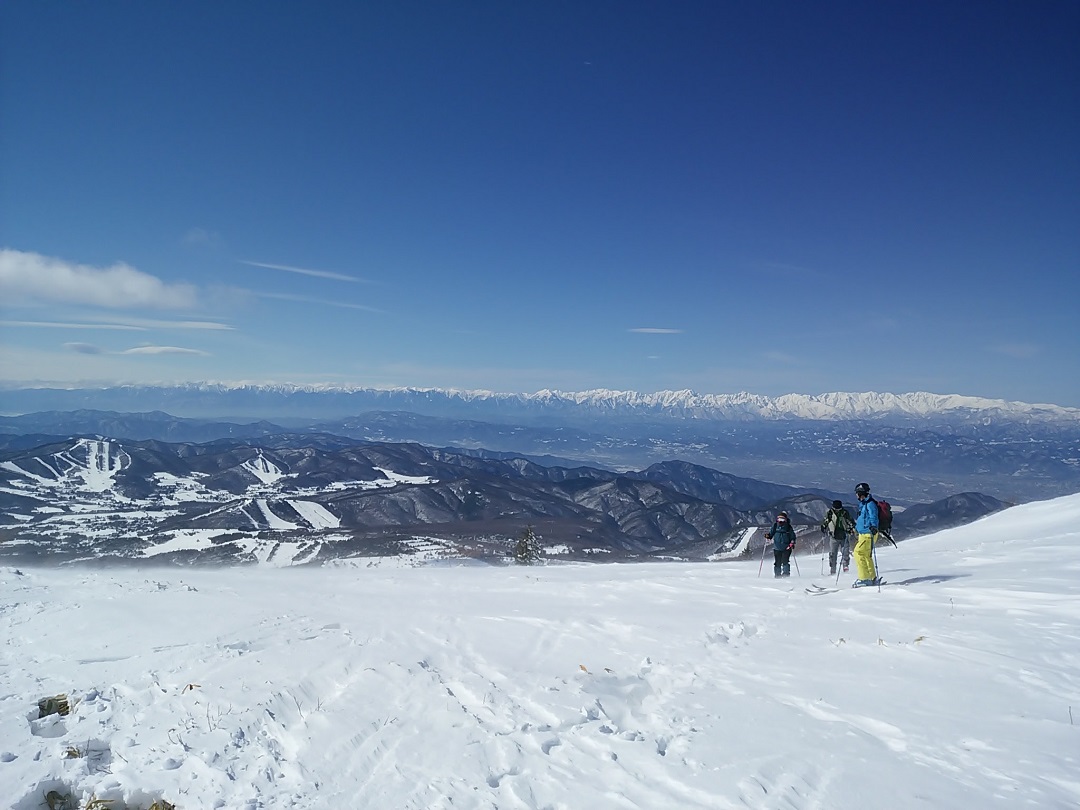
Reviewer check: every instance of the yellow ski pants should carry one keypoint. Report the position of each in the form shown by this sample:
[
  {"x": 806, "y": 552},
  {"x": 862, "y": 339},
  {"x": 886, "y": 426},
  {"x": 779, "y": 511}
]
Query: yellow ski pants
[{"x": 864, "y": 556}]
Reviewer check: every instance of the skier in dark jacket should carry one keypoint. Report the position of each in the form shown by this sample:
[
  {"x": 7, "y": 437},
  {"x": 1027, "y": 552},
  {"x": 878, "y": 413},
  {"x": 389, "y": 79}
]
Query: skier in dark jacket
[
  {"x": 783, "y": 540},
  {"x": 839, "y": 526}
]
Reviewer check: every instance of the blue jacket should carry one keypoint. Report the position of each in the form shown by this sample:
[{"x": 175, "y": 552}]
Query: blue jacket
[
  {"x": 867, "y": 521},
  {"x": 782, "y": 535}
]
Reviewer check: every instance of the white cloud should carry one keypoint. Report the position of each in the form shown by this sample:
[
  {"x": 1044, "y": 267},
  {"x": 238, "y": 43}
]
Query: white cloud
[
  {"x": 153, "y": 323},
  {"x": 32, "y": 278},
  {"x": 69, "y": 325},
  {"x": 305, "y": 272},
  {"x": 655, "y": 330},
  {"x": 123, "y": 324},
  {"x": 89, "y": 348},
  {"x": 163, "y": 350}
]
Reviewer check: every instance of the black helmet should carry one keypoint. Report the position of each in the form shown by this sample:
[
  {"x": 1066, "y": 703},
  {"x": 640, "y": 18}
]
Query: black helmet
[
  {"x": 862, "y": 490},
  {"x": 837, "y": 504}
]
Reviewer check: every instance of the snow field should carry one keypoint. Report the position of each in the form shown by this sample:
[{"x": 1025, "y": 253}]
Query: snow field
[{"x": 562, "y": 686}]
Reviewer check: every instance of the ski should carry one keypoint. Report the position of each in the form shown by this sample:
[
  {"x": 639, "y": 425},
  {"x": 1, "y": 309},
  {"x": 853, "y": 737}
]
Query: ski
[{"x": 817, "y": 590}]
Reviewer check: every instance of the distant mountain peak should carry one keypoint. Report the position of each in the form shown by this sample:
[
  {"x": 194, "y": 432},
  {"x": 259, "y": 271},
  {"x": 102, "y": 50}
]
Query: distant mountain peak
[{"x": 339, "y": 399}]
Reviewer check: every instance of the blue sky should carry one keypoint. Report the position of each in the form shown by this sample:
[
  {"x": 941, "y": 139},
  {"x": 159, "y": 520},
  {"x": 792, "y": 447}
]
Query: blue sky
[{"x": 770, "y": 197}]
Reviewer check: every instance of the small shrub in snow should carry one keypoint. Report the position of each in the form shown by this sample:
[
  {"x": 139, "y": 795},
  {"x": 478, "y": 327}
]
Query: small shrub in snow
[
  {"x": 527, "y": 548},
  {"x": 55, "y": 800},
  {"x": 57, "y": 704}
]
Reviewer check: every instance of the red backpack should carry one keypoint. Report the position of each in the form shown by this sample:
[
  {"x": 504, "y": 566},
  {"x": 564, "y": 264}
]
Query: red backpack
[{"x": 884, "y": 516}]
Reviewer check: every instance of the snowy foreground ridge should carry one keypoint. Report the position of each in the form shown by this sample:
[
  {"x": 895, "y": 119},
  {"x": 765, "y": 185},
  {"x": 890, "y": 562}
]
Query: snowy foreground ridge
[{"x": 564, "y": 686}]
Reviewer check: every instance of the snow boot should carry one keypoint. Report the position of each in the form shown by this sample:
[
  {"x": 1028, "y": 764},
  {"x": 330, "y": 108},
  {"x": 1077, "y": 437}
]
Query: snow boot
[{"x": 863, "y": 583}]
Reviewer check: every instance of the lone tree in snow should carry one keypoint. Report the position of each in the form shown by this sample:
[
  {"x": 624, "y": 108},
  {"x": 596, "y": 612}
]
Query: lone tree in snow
[{"x": 527, "y": 547}]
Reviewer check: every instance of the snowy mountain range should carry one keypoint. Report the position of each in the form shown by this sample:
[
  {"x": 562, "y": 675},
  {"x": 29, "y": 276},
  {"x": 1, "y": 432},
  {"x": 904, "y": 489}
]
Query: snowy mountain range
[{"x": 329, "y": 401}]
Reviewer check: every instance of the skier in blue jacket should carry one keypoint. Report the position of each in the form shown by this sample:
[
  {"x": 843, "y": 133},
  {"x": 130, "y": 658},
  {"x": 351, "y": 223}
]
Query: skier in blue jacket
[{"x": 866, "y": 526}]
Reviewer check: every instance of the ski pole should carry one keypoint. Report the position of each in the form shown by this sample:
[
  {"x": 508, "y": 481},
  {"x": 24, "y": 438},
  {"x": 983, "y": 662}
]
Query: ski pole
[
  {"x": 795, "y": 560},
  {"x": 877, "y": 570},
  {"x": 823, "y": 555},
  {"x": 762, "y": 563},
  {"x": 844, "y": 553}
]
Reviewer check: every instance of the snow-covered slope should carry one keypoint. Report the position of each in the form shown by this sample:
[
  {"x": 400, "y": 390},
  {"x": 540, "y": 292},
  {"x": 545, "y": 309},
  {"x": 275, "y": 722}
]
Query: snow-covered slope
[{"x": 642, "y": 686}]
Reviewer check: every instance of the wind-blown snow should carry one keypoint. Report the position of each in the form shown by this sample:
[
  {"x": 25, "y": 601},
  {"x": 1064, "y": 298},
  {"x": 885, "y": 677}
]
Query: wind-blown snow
[{"x": 561, "y": 686}]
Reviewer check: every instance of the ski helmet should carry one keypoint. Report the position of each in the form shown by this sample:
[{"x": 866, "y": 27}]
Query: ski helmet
[
  {"x": 782, "y": 516},
  {"x": 862, "y": 490},
  {"x": 837, "y": 504}
]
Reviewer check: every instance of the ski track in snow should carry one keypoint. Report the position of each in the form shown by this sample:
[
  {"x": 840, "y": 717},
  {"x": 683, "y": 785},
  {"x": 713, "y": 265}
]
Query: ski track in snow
[
  {"x": 316, "y": 515},
  {"x": 93, "y": 461},
  {"x": 739, "y": 549},
  {"x": 569, "y": 686},
  {"x": 272, "y": 520},
  {"x": 262, "y": 468}
]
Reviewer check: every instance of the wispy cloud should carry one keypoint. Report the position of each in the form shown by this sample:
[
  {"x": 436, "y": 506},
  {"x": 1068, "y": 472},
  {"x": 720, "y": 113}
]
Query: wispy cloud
[
  {"x": 154, "y": 323},
  {"x": 306, "y": 272},
  {"x": 69, "y": 325},
  {"x": 163, "y": 350},
  {"x": 32, "y": 278},
  {"x": 655, "y": 330},
  {"x": 303, "y": 299},
  {"x": 1018, "y": 351},
  {"x": 89, "y": 348},
  {"x": 122, "y": 324}
]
